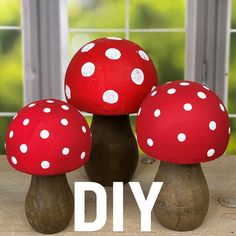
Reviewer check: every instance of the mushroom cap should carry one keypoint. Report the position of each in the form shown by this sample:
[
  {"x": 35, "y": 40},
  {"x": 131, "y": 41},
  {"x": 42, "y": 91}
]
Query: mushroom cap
[
  {"x": 48, "y": 137},
  {"x": 109, "y": 76},
  {"x": 183, "y": 122}
]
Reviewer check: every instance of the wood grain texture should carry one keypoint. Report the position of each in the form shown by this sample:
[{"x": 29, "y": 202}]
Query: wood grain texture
[{"x": 219, "y": 221}]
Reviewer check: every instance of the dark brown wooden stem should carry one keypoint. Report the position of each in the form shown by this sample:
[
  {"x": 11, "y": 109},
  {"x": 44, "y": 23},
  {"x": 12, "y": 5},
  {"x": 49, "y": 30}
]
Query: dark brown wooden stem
[
  {"x": 184, "y": 198},
  {"x": 49, "y": 204},
  {"x": 114, "y": 155}
]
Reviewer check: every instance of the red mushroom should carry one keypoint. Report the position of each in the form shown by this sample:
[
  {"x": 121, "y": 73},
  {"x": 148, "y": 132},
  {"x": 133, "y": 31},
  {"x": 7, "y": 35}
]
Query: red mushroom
[
  {"x": 182, "y": 124},
  {"x": 110, "y": 77},
  {"x": 42, "y": 140}
]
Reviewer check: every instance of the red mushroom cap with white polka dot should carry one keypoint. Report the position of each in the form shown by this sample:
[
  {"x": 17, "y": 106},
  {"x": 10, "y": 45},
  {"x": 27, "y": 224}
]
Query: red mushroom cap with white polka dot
[
  {"x": 109, "y": 76},
  {"x": 183, "y": 122},
  {"x": 48, "y": 137}
]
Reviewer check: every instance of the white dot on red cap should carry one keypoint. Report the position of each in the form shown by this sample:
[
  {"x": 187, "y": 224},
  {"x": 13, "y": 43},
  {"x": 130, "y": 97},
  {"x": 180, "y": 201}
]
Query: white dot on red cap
[
  {"x": 157, "y": 113},
  {"x": 184, "y": 83},
  {"x": 87, "y": 69},
  {"x": 110, "y": 96},
  {"x": 68, "y": 92},
  {"x": 171, "y": 91},
  {"x": 82, "y": 155},
  {"x": 143, "y": 55},
  {"x": 13, "y": 159},
  {"x": 212, "y": 125},
  {"x": 44, "y": 134},
  {"x": 153, "y": 93},
  {"x": 32, "y": 104},
  {"x": 65, "y": 151},
  {"x": 210, "y": 152},
  {"x": 181, "y": 137},
  {"x": 23, "y": 148},
  {"x": 46, "y": 110},
  {"x": 201, "y": 95},
  {"x": 113, "y": 53},
  {"x": 205, "y": 87},
  {"x": 50, "y": 101},
  {"x": 45, "y": 164},
  {"x": 139, "y": 111},
  {"x": 65, "y": 107},
  {"x": 64, "y": 122},
  {"x": 229, "y": 130},
  {"x": 87, "y": 47},
  {"x": 187, "y": 107},
  {"x": 26, "y": 122},
  {"x": 15, "y": 116},
  {"x": 84, "y": 129},
  {"x": 153, "y": 88},
  {"x": 137, "y": 76},
  {"x": 149, "y": 142},
  {"x": 114, "y": 38},
  {"x": 222, "y": 107},
  {"x": 11, "y": 134}
]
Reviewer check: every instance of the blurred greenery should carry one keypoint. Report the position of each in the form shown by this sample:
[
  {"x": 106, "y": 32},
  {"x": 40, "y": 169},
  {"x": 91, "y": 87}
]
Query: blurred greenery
[{"x": 166, "y": 49}]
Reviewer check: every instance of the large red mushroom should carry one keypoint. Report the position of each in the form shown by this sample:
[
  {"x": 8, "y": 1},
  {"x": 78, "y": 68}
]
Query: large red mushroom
[
  {"x": 182, "y": 124},
  {"x": 110, "y": 77},
  {"x": 47, "y": 139}
]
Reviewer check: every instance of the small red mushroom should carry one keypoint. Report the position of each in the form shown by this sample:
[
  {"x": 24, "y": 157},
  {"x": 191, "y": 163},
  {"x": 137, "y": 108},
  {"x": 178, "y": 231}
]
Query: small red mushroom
[
  {"x": 47, "y": 139},
  {"x": 182, "y": 123},
  {"x": 110, "y": 77}
]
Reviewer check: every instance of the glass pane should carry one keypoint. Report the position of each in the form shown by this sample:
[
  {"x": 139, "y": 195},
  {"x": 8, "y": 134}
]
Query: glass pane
[
  {"x": 167, "y": 51},
  {"x": 232, "y": 75},
  {"x": 11, "y": 89},
  {"x": 157, "y": 14},
  {"x": 77, "y": 40},
  {"x": 232, "y": 147},
  {"x": 10, "y": 12},
  {"x": 233, "y": 14},
  {"x": 4, "y": 122},
  {"x": 96, "y": 14}
]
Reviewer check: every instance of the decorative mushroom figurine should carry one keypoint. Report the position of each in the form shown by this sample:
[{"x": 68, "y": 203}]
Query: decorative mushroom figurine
[
  {"x": 47, "y": 139},
  {"x": 182, "y": 124},
  {"x": 110, "y": 77}
]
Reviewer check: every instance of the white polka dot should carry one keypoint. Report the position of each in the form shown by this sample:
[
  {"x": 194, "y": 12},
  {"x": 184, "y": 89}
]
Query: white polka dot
[
  {"x": 114, "y": 38},
  {"x": 64, "y": 122},
  {"x": 15, "y": 116},
  {"x": 87, "y": 47},
  {"x": 150, "y": 142},
  {"x": 113, "y": 53},
  {"x": 212, "y": 125},
  {"x": 229, "y": 130},
  {"x": 153, "y": 88},
  {"x": 45, "y": 164},
  {"x": 205, "y": 87},
  {"x": 187, "y": 107},
  {"x": 46, "y": 110},
  {"x": 157, "y": 113},
  {"x": 169, "y": 82},
  {"x": 184, "y": 83},
  {"x": 13, "y": 159},
  {"x": 201, "y": 95},
  {"x": 171, "y": 91},
  {"x": 143, "y": 55},
  {"x": 181, "y": 137},
  {"x": 23, "y": 148},
  {"x": 50, "y": 101},
  {"x": 84, "y": 129},
  {"x": 82, "y": 155},
  {"x": 65, "y": 107},
  {"x": 87, "y": 69},
  {"x": 153, "y": 93},
  {"x": 11, "y": 134},
  {"x": 210, "y": 152},
  {"x": 222, "y": 107},
  {"x": 44, "y": 134},
  {"x": 110, "y": 96},
  {"x": 68, "y": 92},
  {"x": 137, "y": 76},
  {"x": 65, "y": 151},
  {"x": 32, "y": 104},
  {"x": 26, "y": 122},
  {"x": 139, "y": 111}
]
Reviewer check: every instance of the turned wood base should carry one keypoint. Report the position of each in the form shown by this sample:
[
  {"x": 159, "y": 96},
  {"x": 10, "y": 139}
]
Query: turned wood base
[
  {"x": 49, "y": 204},
  {"x": 114, "y": 155},
  {"x": 184, "y": 198}
]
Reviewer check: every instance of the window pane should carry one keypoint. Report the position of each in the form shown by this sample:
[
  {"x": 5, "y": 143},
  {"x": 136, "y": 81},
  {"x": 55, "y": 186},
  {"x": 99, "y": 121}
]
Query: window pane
[
  {"x": 96, "y": 14},
  {"x": 233, "y": 14},
  {"x": 167, "y": 50},
  {"x": 157, "y": 14},
  {"x": 11, "y": 89},
  {"x": 232, "y": 147},
  {"x": 10, "y": 12},
  {"x": 4, "y": 122}
]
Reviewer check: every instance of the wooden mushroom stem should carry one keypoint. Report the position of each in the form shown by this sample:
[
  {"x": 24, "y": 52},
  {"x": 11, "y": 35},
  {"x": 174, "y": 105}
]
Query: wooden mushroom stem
[
  {"x": 49, "y": 204},
  {"x": 114, "y": 154},
  {"x": 184, "y": 198}
]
